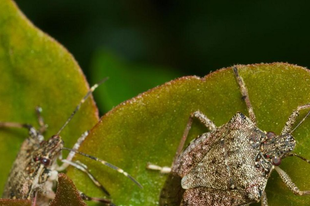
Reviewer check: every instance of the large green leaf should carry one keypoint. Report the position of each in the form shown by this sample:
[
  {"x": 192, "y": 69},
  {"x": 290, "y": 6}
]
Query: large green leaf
[
  {"x": 149, "y": 127},
  {"x": 35, "y": 70}
]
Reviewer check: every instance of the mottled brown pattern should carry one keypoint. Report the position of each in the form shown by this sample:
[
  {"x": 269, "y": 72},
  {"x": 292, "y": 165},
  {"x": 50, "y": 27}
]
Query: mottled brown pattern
[
  {"x": 230, "y": 165},
  {"x": 205, "y": 196}
]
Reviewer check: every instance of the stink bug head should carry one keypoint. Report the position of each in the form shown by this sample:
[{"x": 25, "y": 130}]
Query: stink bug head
[
  {"x": 275, "y": 147},
  {"x": 48, "y": 152}
]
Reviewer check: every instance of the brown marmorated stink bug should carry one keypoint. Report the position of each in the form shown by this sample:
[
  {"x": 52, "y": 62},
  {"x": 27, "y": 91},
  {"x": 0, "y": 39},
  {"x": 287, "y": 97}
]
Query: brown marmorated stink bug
[
  {"x": 231, "y": 164},
  {"x": 35, "y": 171}
]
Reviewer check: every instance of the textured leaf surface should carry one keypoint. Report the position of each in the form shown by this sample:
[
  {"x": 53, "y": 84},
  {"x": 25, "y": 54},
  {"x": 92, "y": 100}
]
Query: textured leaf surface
[
  {"x": 67, "y": 194},
  {"x": 35, "y": 70},
  {"x": 8, "y": 202},
  {"x": 148, "y": 128}
]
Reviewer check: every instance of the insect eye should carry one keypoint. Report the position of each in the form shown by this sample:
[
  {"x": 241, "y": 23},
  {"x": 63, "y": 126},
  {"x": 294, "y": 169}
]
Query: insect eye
[
  {"x": 45, "y": 161},
  {"x": 276, "y": 161}
]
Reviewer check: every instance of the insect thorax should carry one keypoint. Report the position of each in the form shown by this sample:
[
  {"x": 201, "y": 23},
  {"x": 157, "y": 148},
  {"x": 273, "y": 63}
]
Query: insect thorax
[{"x": 273, "y": 148}]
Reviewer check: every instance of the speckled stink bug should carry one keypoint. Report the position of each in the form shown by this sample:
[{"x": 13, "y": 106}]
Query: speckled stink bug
[
  {"x": 35, "y": 171},
  {"x": 231, "y": 164}
]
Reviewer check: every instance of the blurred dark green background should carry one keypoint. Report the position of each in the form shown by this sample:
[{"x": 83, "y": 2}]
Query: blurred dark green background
[{"x": 140, "y": 44}]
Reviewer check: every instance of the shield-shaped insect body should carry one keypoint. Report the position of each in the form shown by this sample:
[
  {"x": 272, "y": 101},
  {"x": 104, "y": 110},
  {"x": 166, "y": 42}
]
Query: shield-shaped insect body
[{"x": 231, "y": 164}]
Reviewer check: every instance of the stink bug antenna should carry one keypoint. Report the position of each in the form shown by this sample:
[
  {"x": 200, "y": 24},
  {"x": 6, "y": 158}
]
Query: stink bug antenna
[
  {"x": 305, "y": 117},
  {"x": 294, "y": 154},
  {"x": 106, "y": 164},
  {"x": 297, "y": 155},
  {"x": 91, "y": 90}
]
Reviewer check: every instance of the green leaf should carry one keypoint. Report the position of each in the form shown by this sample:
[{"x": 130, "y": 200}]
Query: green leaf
[
  {"x": 148, "y": 128},
  {"x": 37, "y": 71},
  {"x": 67, "y": 194}
]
